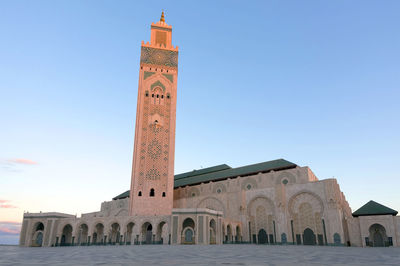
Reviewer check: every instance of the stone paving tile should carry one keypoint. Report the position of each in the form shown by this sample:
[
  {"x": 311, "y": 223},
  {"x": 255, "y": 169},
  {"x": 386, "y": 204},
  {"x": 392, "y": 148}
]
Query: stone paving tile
[{"x": 199, "y": 255}]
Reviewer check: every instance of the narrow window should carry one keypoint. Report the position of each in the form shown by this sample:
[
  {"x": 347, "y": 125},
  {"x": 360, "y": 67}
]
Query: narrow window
[
  {"x": 152, "y": 192},
  {"x": 158, "y": 95},
  {"x": 167, "y": 70},
  {"x": 162, "y": 96},
  {"x": 141, "y": 67},
  {"x": 152, "y": 95},
  {"x": 140, "y": 193},
  {"x": 163, "y": 194},
  {"x": 147, "y": 94}
]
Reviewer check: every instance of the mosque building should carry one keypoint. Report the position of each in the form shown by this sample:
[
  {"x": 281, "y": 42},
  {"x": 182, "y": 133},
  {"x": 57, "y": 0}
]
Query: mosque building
[{"x": 273, "y": 202}]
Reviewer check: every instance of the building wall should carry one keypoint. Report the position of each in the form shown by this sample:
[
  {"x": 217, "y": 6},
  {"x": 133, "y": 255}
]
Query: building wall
[
  {"x": 389, "y": 223},
  {"x": 274, "y": 201},
  {"x": 283, "y": 204}
]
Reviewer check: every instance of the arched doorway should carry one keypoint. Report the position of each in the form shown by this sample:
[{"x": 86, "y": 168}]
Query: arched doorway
[
  {"x": 115, "y": 234},
  {"x": 66, "y": 237},
  {"x": 98, "y": 234},
  {"x": 309, "y": 237},
  {"x": 189, "y": 236},
  {"x": 223, "y": 233},
  {"x": 129, "y": 231},
  {"x": 229, "y": 233},
  {"x": 39, "y": 239},
  {"x": 378, "y": 235},
  {"x": 238, "y": 237},
  {"x": 336, "y": 239},
  {"x": 213, "y": 230},
  {"x": 37, "y": 235},
  {"x": 283, "y": 238},
  {"x": 262, "y": 237},
  {"x": 161, "y": 232},
  {"x": 188, "y": 233},
  {"x": 147, "y": 233},
  {"x": 83, "y": 234}
]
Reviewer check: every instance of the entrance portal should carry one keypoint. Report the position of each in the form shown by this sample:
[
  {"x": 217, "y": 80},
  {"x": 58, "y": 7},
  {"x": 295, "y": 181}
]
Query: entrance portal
[
  {"x": 262, "y": 237},
  {"x": 309, "y": 237},
  {"x": 189, "y": 236},
  {"x": 378, "y": 235},
  {"x": 39, "y": 239},
  {"x": 149, "y": 234}
]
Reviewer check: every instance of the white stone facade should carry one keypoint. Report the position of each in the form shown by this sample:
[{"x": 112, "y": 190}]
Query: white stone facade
[{"x": 279, "y": 207}]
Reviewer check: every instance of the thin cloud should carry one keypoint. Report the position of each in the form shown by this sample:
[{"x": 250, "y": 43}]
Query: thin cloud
[
  {"x": 5, "y": 204},
  {"x": 10, "y": 222},
  {"x": 15, "y": 165},
  {"x": 10, "y": 228},
  {"x": 23, "y": 161}
]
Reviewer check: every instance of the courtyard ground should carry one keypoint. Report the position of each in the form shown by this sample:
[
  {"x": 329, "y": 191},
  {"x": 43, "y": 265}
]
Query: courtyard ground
[{"x": 199, "y": 255}]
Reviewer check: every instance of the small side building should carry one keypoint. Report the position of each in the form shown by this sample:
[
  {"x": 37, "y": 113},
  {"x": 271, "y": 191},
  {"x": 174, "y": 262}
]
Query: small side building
[{"x": 378, "y": 225}]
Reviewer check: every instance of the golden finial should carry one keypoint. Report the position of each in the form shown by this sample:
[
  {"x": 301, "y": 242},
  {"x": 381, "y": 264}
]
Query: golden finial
[{"x": 162, "y": 19}]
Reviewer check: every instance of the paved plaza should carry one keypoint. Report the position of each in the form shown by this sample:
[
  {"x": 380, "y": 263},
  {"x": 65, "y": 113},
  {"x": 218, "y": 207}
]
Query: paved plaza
[{"x": 199, "y": 255}]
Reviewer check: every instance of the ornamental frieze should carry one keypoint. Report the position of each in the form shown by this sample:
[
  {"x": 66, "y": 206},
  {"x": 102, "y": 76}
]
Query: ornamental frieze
[{"x": 159, "y": 57}]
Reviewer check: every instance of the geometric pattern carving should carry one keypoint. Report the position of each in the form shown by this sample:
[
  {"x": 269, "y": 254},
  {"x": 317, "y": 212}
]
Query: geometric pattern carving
[
  {"x": 154, "y": 149},
  {"x": 212, "y": 204},
  {"x": 261, "y": 212},
  {"x": 159, "y": 57},
  {"x": 305, "y": 209},
  {"x": 249, "y": 183},
  {"x": 290, "y": 178},
  {"x": 311, "y": 198},
  {"x": 153, "y": 174}
]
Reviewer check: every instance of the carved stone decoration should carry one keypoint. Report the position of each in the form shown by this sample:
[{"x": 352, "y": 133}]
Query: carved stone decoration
[{"x": 160, "y": 57}]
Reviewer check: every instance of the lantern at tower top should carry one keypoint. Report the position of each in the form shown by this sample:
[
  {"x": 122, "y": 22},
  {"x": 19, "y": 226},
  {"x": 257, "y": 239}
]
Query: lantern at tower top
[{"x": 161, "y": 35}]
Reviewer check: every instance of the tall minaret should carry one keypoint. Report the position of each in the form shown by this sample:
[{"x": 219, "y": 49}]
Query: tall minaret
[{"x": 152, "y": 182}]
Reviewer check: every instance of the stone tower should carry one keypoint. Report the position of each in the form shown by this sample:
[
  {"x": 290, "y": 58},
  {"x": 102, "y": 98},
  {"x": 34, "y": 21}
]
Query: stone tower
[{"x": 152, "y": 180}]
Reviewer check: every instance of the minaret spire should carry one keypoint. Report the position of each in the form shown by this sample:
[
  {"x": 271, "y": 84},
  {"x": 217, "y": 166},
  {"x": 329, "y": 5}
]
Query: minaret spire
[
  {"x": 162, "y": 19},
  {"x": 152, "y": 180}
]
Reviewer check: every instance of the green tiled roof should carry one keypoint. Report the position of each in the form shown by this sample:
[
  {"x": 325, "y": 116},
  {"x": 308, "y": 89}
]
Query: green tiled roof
[
  {"x": 221, "y": 172},
  {"x": 203, "y": 171},
  {"x": 122, "y": 195},
  {"x": 374, "y": 208},
  {"x": 234, "y": 172}
]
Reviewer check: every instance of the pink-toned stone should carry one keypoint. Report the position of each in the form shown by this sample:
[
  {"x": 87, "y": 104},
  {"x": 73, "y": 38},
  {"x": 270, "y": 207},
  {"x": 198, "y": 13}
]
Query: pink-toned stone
[{"x": 154, "y": 146}]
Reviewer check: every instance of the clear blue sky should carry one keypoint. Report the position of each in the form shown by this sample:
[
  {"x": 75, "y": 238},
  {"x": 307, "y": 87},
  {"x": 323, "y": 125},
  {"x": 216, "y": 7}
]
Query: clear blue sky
[{"x": 314, "y": 82}]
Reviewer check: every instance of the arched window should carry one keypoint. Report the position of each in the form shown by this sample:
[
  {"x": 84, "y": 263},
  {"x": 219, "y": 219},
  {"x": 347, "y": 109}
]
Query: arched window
[
  {"x": 140, "y": 193},
  {"x": 163, "y": 194},
  {"x": 152, "y": 192}
]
